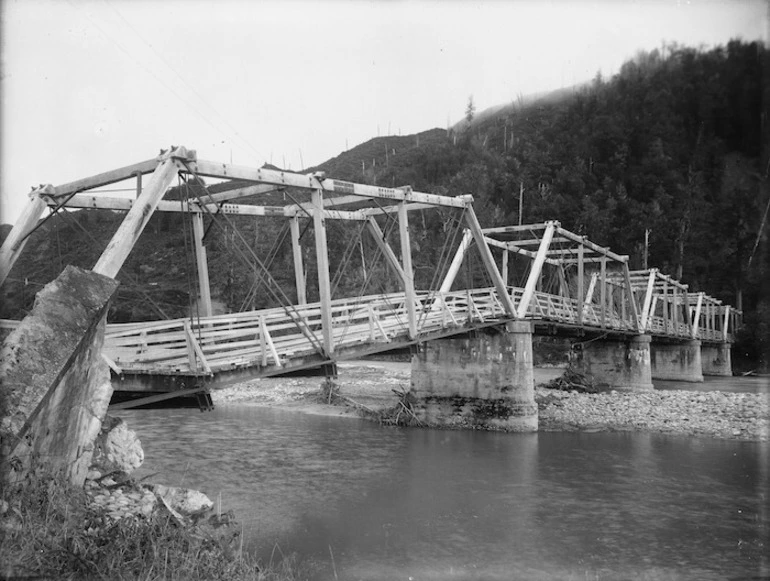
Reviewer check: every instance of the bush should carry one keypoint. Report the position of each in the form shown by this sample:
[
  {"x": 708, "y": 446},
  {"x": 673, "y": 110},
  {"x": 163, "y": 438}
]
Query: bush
[{"x": 49, "y": 530}]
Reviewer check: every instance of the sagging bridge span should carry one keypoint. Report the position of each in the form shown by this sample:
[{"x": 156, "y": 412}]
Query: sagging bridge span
[{"x": 541, "y": 273}]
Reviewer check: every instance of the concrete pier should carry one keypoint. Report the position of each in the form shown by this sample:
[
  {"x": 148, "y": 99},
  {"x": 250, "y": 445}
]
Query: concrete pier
[
  {"x": 622, "y": 364},
  {"x": 484, "y": 381},
  {"x": 677, "y": 361},
  {"x": 716, "y": 359}
]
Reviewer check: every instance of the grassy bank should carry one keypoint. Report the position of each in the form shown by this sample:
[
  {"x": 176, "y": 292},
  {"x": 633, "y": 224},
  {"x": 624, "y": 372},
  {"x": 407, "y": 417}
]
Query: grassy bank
[{"x": 48, "y": 530}]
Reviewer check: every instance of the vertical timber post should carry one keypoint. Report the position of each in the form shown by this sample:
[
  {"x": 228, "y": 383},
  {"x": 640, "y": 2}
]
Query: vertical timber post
[
  {"x": 406, "y": 262},
  {"x": 299, "y": 267},
  {"x": 603, "y": 291},
  {"x": 580, "y": 283},
  {"x": 504, "y": 273},
  {"x": 322, "y": 258},
  {"x": 202, "y": 263}
]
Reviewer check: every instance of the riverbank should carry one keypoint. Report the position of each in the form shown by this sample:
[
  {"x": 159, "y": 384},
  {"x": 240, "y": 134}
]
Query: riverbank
[{"x": 726, "y": 415}]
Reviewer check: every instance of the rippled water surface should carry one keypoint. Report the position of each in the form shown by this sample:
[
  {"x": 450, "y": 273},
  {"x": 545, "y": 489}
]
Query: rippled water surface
[{"x": 392, "y": 503}]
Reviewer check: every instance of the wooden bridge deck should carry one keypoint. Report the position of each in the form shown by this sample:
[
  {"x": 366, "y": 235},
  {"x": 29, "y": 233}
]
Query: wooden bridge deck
[{"x": 269, "y": 341}]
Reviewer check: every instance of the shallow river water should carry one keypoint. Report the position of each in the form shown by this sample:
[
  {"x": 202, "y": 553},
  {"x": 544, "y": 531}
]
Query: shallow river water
[{"x": 355, "y": 500}]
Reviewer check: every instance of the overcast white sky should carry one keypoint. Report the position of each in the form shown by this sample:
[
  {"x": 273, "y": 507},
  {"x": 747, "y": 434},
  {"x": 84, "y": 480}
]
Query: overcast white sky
[{"x": 89, "y": 86}]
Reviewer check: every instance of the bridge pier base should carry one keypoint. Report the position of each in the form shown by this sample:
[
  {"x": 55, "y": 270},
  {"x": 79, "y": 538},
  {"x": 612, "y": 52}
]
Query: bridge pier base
[
  {"x": 485, "y": 381},
  {"x": 716, "y": 359},
  {"x": 677, "y": 361},
  {"x": 621, "y": 364}
]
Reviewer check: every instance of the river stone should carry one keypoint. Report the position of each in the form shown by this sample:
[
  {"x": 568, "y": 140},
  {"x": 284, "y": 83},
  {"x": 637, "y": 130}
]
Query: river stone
[
  {"x": 117, "y": 448},
  {"x": 185, "y": 501}
]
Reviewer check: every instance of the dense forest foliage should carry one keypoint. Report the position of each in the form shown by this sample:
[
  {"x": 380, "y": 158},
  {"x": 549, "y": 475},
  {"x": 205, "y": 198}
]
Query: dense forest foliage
[{"x": 675, "y": 145}]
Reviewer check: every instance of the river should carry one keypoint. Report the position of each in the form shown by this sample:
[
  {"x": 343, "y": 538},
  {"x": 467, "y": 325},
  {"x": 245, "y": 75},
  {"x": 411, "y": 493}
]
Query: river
[{"x": 355, "y": 500}]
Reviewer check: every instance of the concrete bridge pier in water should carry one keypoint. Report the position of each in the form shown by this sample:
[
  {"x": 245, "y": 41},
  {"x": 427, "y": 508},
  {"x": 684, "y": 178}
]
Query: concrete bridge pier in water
[
  {"x": 483, "y": 380},
  {"x": 622, "y": 363}
]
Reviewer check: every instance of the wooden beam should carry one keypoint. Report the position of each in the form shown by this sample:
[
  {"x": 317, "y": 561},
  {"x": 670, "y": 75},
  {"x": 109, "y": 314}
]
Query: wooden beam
[
  {"x": 17, "y": 238},
  {"x": 406, "y": 260},
  {"x": 588, "y": 244},
  {"x": 726, "y": 323},
  {"x": 306, "y": 181},
  {"x": 696, "y": 316},
  {"x": 240, "y": 192},
  {"x": 504, "y": 273},
  {"x": 511, "y": 247},
  {"x": 454, "y": 268},
  {"x": 322, "y": 260},
  {"x": 632, "y": 299},
  {"x": 648, "y": 300},
  {"x": 110, "y": 177},
  {"x": 299, "y": 267},
  {"x": 118, "y": 249},
  {"x": 521, "y": 228},
  {"x": 489, "y": 262},
  {"x": 537, "y": 268},
  {"x": 603, "y": 291},
  {"x": 202, "y": 264},
  {"x": 387, "y": 251},
  {"x": 580, "y": 283}
]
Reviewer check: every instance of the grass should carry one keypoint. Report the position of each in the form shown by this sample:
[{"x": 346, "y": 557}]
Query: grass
[{"x": 49, "y": 531}]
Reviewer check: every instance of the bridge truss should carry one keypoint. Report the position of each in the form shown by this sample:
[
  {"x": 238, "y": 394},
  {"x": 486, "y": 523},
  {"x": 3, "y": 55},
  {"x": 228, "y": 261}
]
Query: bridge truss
[{"x": 539, "y": 272}]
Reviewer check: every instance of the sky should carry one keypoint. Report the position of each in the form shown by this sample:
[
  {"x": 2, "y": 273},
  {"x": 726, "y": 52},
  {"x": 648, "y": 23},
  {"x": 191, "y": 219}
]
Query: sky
[{"x": 92, "y": 85}]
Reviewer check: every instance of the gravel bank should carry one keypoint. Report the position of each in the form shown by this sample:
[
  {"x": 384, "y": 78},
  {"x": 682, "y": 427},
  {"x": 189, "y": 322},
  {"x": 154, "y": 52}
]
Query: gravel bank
[{"x": 736, "y": 416}]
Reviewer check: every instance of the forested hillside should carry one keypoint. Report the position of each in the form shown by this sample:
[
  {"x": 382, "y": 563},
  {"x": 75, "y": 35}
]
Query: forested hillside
[{"x": 676, "y": 144}]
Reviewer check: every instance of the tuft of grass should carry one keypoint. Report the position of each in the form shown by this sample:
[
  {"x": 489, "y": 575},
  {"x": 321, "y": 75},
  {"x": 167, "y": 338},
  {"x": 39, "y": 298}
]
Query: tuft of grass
[{"x": 49, "y": 530}]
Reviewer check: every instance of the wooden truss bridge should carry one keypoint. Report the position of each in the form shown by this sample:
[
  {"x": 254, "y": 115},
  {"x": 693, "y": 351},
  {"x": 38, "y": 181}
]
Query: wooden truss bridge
[{"x": 538, "y": 272}]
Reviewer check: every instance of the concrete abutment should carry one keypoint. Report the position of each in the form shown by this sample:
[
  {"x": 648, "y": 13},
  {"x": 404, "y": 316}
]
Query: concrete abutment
[{"x": 482, "y": 381}]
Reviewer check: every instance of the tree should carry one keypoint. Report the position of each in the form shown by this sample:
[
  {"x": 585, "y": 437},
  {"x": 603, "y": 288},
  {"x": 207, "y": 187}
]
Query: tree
[{"x": 470, "y": 110}]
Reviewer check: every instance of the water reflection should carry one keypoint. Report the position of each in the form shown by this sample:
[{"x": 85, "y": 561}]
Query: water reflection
[{"x": 393, "y": 503}]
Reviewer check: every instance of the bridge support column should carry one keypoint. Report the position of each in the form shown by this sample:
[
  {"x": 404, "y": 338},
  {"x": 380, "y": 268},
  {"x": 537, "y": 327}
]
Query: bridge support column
[
  {"x": 677, "y": 361},
  {"x": 716, "y": 360},
  {"x": 622, "y": 364},
  {"x": 484, "y": 381}
]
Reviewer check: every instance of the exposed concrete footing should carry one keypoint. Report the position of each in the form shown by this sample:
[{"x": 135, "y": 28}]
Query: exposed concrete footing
[
  {"x": 622, "y": 364},
  {"x": 716, "y": 359},
  {"x": 484, "y": 381},
  {"x": 677, "y": 361}
]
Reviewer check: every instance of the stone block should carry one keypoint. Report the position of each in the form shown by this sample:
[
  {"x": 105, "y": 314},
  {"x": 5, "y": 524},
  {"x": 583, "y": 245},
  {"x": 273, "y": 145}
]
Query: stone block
[
  {"x": 117, "y": 448},
  {"x": 54, "y": 385}
]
